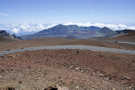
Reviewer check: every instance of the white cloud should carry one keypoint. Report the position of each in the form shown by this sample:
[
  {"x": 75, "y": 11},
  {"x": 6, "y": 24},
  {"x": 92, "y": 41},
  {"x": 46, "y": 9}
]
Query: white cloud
[
  {"x": 24, "y": 29},
  {"x": 49, "y": 26},
  {"x": 112, "y": 26},
  {"x": 79, "y": 24},
  {"x": 3, "y": 14},
  {"x": 15, "y": 30},
  {"x": 132, "y": 27}
]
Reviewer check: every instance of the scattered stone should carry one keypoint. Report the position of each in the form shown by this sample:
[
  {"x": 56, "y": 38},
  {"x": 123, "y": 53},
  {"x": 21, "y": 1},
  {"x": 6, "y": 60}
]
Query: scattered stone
[
  {"x": 11, "y": 56},
  {"x": 77, "y": 87},
  {"x": 10, "y": 88},
  {"x": 125, "y": 78},
  {"x": 107, "y": 78},
  {"x": 101, "y": 75},
  {"x": 113, "y": 88},
  {"x": 62, "y": 88},
  {"x": 2, "y": 70},
  {"x": 77, "y": 52},
  {"x": 77, "y": 68},
  {"x": 20, "y": 82},
  {"x": 51, "y": 88},
  {"x": 71, "y": 67},
  {"x": 81, "y": 70},
  {"x": 1, "y": 76}
]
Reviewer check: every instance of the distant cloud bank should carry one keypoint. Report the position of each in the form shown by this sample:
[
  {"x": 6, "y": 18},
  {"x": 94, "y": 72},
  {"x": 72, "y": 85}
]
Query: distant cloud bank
[
  {"x": 111, "y": 26},
  {"x": 24, "y": 29}
]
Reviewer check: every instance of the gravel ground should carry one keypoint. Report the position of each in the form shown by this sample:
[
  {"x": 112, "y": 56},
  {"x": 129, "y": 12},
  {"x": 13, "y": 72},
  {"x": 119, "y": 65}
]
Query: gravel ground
[{"x": 67, "y": 69}]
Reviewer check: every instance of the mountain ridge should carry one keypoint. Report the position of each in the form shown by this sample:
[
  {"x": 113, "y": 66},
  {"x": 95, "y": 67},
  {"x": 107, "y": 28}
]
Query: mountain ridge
[{"x": 72, "y": 31}]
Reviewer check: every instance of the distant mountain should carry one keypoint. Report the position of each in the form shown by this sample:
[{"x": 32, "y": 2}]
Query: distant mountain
[
  {"x": 61, "y": 27},
  {"x": 107, "y": 32},
  {"x": 126, "y": 31},
  {"x": 6, "y": 36},
  {"x": 72, "y": 31}
]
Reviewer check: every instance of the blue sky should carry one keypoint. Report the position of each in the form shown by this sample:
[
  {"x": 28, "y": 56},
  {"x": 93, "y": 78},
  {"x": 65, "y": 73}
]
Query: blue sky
[{"x": 61, "y": 11}]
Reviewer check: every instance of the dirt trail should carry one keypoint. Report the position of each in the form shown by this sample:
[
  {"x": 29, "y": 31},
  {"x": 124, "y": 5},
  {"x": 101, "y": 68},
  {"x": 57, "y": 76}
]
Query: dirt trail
[{"x": 82, "y": 47}]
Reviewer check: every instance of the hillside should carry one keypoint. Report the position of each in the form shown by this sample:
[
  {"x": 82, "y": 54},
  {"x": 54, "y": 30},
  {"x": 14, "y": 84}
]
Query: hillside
[
  {"x": 72, "y": 31},
  {"x": 84, "y": 69},
  {"x": 5, "y": 36},
  {"x": 126, "y": 35}
]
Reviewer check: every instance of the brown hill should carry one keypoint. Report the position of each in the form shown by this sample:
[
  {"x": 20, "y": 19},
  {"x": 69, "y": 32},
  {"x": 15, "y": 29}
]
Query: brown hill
[
  {"x": 5, "y": 36},
  {"x": 127, "y": 35}
]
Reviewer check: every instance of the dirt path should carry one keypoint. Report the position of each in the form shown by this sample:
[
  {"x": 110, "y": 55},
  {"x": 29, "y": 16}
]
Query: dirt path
[{"x": 82, "y": 47}]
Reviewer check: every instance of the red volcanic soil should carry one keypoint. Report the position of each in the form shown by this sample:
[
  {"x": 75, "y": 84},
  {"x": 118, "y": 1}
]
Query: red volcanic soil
[
  {"x": 82, "y": 69},
  {"x": 7, "y": 45},
  {"x": 129, "y": 36}
]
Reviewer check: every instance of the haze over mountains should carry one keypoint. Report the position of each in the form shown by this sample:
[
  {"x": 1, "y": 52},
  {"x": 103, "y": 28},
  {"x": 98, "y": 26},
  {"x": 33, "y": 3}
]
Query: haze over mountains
[
  {"x": 72, "y": 31},
  {"x": 22, "y": 29},
  {"x": 32, "y": 31},
  {"x": 25, "y": 29}
]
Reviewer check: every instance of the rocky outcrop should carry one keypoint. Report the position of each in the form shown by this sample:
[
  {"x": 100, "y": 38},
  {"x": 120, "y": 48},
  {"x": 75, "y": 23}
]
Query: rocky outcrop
[{"x": 5, "y": 35}]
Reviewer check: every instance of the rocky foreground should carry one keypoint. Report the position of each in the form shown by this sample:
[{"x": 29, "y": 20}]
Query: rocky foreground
[{"x": 67, "y": 70}]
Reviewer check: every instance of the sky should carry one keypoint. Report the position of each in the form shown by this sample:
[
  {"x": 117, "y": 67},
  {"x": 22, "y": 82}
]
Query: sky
[{"x": 62, "y": 11}]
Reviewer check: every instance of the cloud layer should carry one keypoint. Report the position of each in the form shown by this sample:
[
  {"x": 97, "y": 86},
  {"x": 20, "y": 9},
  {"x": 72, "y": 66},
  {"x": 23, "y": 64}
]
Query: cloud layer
[
  {"x": 24, "y": 29},
  {"x": 112, "y": 26}
]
